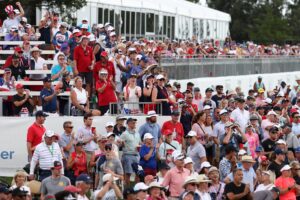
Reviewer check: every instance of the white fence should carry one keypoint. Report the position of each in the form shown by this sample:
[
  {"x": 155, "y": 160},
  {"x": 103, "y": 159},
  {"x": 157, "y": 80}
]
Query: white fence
[{"x": 13, "y": 152}]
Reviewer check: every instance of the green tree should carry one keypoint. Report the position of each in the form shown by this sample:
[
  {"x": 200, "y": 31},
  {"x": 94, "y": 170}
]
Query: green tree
[
  {"x": 65, "y": 7},
  {"x": 293, "y": 17}
]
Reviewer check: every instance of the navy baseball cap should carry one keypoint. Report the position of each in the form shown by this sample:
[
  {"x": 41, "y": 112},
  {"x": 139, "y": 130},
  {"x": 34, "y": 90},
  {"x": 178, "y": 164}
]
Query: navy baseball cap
[
  {"x": 46, "y": 79},
  {"x": 144, "y": 58},
  {"x": 40, "y": 113},
  {"x": 85, "y": 178},
  {"x": 259, "y": 149},
  {"x": 4, "y": 189},
  {"x": 279, "y": 151}
]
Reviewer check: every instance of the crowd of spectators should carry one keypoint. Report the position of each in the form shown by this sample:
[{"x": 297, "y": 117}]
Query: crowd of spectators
[{"x": 223, "y": 145}]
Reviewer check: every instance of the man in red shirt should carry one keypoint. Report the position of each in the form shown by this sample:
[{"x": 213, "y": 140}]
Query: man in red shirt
[
  {"x": 84, "y": 61},
  {"x": 35, "y": 132},
  {"x": 175, "y": 126},
  {"x": 104, "y": 63}
]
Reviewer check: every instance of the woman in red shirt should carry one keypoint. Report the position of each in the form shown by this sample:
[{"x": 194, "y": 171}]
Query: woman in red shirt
[
  {"x": 106, "y": 92},
  {"x": 77, "y": 161}
]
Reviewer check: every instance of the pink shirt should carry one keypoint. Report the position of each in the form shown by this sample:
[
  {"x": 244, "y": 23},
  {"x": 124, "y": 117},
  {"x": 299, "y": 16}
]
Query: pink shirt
[
  {"x": 175, "y": 179},
  {"x": 283, "y": 183},
  {"x": 253, "y": 142},
  {"x": 200, "y": 133}
]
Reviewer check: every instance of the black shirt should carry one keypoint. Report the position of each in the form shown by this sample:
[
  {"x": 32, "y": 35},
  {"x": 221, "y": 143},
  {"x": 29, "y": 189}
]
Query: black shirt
[
  {"x": 45, "y": 34},
  {"x": 117, "y": 131},
  {"x": 217, "y": 99},
  {"x": 232, "y": 188},
  {"x": 27, "y": 105},
  {"x": 18, "y": 71},
  {"x": 268, "y": 145},
  {"x": 275, "y": 167}
]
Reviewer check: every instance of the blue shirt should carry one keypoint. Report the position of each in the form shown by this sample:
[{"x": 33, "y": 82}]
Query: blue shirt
[
  {"x": 55, "y": 69},
  {"x": 137, "y": 70},
  {"x": 153, "y": 129},
  {"x": 151, "y": 163},
  {"x": 64, "y": 140},
  {"x": 48, "y": 106}
]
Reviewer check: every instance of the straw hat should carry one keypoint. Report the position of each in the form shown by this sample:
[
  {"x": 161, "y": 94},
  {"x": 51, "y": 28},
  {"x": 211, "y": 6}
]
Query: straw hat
[
  {"x": 248, "y": 159},
  {"x": 35, "y": 186},
  {"x": 203, "y": 179}
]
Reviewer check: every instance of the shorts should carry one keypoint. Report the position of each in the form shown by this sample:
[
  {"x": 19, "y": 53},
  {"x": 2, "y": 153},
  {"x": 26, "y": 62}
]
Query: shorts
[
  {"x": 87, "y": 77},
  {"x": 119, "y": 87},
  {"x": 127, "y": 161}
]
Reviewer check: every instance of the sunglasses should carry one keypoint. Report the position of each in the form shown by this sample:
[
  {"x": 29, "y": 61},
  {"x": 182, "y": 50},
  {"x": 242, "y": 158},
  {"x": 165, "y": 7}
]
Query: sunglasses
[
  {"x": 296, "y": 169},
  {"x": 193, "y": 184},
  {"x": 70, "y": 127},
  {"x": 107, "y": 149}
]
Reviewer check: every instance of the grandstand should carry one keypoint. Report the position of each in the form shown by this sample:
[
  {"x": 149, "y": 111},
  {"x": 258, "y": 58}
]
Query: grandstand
[{"x": 174, "y": 19}]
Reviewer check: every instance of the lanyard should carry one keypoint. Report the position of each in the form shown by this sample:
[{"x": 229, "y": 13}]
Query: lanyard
[{"x": 51, "y": 150}]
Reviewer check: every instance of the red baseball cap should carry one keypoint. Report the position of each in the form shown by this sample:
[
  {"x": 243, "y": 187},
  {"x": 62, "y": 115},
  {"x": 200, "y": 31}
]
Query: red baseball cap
[
  {"x": 263, "y": 158},
  {"x": 19, "y": 86},
  {"x": 104, "y": 53},
  {"x": 168, "y": 132},
  {"x": 72, "y": 188},
  {"x": 18, "y": 49}
]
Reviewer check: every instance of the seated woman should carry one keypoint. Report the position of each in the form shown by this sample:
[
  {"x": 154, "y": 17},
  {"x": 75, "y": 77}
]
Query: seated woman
[
  {"x": 148, "y": 155},
  {"x": 80, "y": 100},
  {"x": 62, "y": 67}
]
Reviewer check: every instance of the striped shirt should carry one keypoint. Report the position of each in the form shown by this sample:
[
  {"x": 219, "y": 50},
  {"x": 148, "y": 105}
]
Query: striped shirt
[
  {"x": 45, "y": 155},
  {"x": 85, "y": 133}
]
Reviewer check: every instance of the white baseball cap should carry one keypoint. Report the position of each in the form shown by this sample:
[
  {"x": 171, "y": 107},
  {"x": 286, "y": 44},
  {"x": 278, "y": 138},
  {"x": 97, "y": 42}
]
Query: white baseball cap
[
  {"x": 109, "y": 134},
  {"x": 109, "y": 124},
  {"x": 100, "y": 26},
  {"x": 223, "y": 111},
  {"x": 107, "y": 177},
  {"x": 281, "y": 141},
  {"x": 148, "y": 136},
  {"x": 49, "y": 133},
  {"x": 272, "y": 112},
  {"x": 242, "y": 152},
  {"x": 140, "y": 186},
  {"x": 85, "y": 26},
  {"x": 205, "y": 164},
  {"x": 177, "y": 155},
  {"x": 285, "y": 167},
  {"x": 188, "y": 160},
  {"x": 151, "y": 113},
  {"x": 159, "y": 76},
  {"x": 267, "y": 100},
  {"x": 110, "y": 28},
  {"x": 112, "y": 34},
  {"x": 191, "y": 134},
  {"x": 207, "y": 107}
]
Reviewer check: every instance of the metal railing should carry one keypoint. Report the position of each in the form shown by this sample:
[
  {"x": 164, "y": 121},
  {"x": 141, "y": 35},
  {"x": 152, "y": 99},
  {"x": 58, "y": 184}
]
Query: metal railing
[
  {"x": 183, "y": 68},
  {"x": 134, "y": 108}
]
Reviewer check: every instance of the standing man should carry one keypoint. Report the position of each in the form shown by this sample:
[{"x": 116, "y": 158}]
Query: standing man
[
  {"x": 84, "y": 61},
  {"x": 259, "y": 84},
  {"x": 151, "y": 127},
  {"x": 196, "y": 151},
  {"x": 175, "y": 127},
  {"x": 66, "y": 140},
  {"x": 131, "y": 142},
  {"x": 54, "y": 183},
  {"x": 45, "y": 154},
  {"x": 217, "y": 98},
  {"x": 175, "y": 177},
  {"x": 228, "y": 162},
  {"x": 240, "y": 115},
  {"x": 87, "y": 136},
  {"x": 49, "y": 97},
  {"x": 207, "y": 99},
  {"x": 296, "y": 124},
  {"x": 23, "y": 103},
  {"x": 35, "y": 133}
]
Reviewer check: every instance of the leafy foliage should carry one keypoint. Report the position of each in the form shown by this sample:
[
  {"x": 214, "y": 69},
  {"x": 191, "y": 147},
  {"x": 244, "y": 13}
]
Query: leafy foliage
[{"x": 265, "y": 21}]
